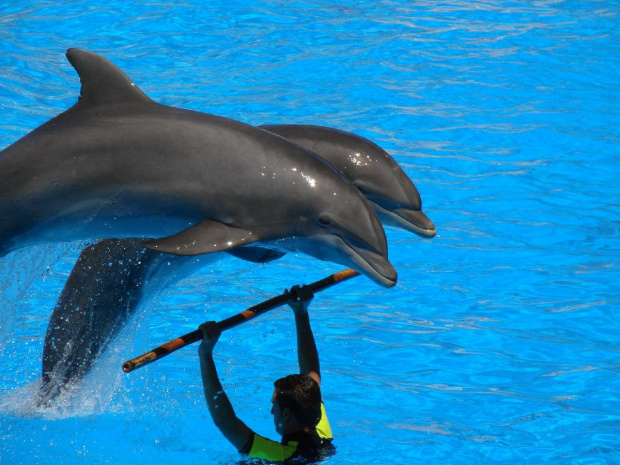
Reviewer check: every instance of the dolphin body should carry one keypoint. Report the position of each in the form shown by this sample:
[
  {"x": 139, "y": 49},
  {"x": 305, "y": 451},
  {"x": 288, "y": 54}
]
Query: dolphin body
[
  {"x": 117, "y": 164},
  {"x": 112, "y": 277}
]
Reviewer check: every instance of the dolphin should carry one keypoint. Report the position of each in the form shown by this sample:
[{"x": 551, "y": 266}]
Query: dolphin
[
  {"x": 112, "y": 277},
  {"x": 370, "y": 168},
  {"x": 117, "y": 164}
]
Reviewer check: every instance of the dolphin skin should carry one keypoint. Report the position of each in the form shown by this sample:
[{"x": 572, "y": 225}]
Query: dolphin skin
[
  {"x": 370, "y": 168},
  {"x": 117, "y": 164},
  {"x": 113, "y": 276}
]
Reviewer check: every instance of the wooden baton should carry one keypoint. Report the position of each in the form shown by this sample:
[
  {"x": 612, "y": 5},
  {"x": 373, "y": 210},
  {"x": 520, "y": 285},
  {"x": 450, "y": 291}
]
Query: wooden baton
[{"x": 235, "y": 320}]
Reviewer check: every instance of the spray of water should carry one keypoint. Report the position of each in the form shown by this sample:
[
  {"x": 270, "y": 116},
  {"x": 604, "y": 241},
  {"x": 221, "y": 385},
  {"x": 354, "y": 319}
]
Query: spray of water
[{"x": 30, "y": 281}]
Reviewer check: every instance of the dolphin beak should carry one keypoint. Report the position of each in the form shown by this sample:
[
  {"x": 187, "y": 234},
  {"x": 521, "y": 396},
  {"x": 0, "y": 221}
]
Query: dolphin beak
[
  {"x": 368, "y": 255},
  {"x": 370, "y": 263},
  {"x": 407, "y": 219},
  {"x": 374, "y": 266},
  {"x": 417, "y": 221}
]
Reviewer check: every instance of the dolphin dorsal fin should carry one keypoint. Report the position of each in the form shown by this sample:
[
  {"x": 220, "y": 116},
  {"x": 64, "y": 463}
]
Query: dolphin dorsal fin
[{"x": 103, "y": 81}]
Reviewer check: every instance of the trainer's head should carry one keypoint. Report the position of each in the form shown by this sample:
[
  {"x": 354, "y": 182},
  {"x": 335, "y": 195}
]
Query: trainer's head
[{"x": 296, "y": 404}]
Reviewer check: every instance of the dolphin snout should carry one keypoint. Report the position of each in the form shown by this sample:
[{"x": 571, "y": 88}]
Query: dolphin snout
[
  {"x": 416, "y": 221},
  {"x": 371, "y": 262},
  {"x": 385, "y": 274},
  {"x": 406, "y": 218}
]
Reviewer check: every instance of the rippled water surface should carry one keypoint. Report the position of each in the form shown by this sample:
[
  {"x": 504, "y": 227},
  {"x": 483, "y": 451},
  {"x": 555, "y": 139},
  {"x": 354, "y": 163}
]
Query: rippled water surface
[{"x": 500, "y": 342}]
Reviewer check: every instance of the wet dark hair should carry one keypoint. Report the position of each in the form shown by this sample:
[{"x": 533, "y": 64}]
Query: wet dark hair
[{"x": 302, "y": 395}]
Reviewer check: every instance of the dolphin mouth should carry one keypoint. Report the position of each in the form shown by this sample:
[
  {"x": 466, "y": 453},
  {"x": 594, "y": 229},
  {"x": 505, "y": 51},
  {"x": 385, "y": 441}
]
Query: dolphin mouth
[
  {"x": 375, "y": 266},
  {"x": 369, "y": 259},
  {"x": 335, "y": 249},
  {"x": 411, "y": 220}
]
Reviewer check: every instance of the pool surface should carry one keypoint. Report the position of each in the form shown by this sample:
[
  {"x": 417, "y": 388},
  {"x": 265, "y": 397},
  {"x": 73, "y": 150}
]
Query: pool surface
[{"x": 500, "y": 342}]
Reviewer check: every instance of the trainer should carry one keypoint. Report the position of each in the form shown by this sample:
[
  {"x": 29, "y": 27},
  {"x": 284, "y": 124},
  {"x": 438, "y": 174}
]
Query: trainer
[{"x": 298, "y": 411}]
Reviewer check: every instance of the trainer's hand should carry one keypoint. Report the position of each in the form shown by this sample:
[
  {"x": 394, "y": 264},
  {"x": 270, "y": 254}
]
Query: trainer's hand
[
  {"x": 301, "y": 302},
  {"x": 211, "y": 332}
]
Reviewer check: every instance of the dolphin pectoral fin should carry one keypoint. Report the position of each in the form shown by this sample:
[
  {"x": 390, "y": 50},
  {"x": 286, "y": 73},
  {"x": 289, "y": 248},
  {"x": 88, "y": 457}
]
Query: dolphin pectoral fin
[
  {"x": 256, "y": 254},
  {"x": 205, "y": 237}
]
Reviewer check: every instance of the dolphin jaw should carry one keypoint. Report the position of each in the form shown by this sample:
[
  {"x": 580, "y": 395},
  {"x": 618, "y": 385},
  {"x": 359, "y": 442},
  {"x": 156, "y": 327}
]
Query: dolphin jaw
[
  {"x": 410, "y": 220},
  {"x": 370, "y": 263}
]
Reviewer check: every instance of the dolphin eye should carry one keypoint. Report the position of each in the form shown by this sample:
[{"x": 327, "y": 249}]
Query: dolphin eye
[{"x": 325, "y": 220}]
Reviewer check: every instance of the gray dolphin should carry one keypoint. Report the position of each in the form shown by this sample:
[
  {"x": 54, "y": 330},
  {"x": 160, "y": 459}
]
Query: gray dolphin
[
  {"x": 370, "y": 168},
  {"x": 117, "y": 164},
  {"x": 113, "y": 276}
]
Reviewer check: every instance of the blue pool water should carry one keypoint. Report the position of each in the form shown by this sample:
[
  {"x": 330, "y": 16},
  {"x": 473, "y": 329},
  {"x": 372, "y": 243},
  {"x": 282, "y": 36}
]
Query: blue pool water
[{"x": 500, "y": 342}]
